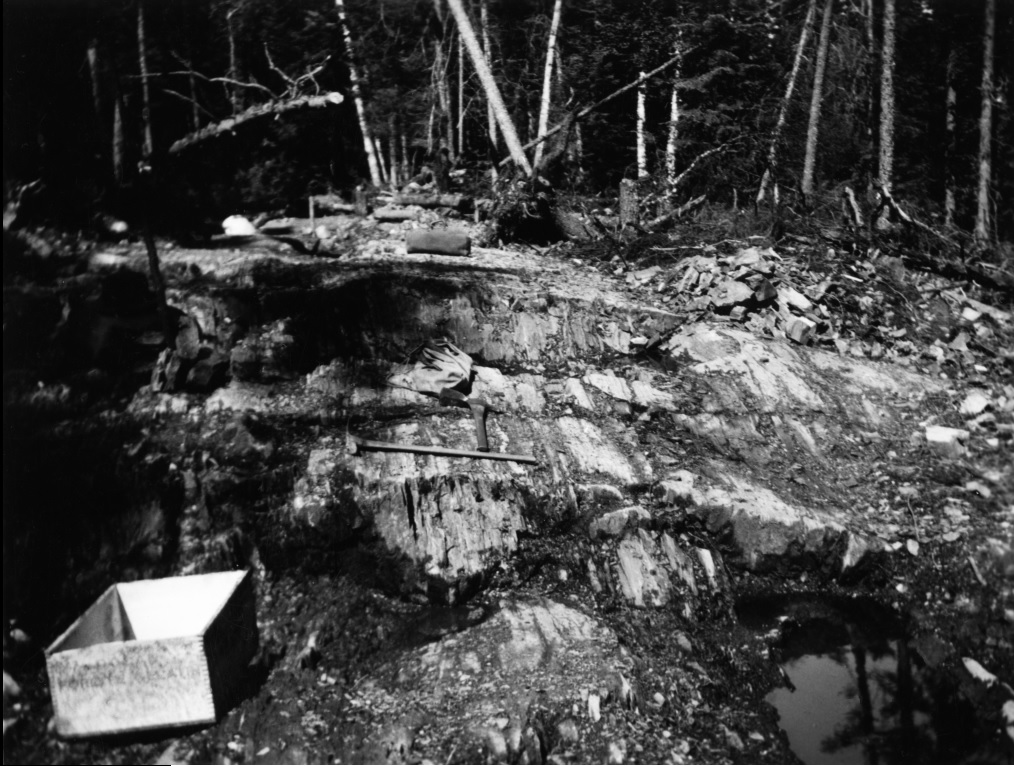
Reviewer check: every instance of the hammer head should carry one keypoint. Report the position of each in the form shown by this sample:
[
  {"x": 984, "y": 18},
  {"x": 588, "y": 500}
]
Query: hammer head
[{"x": 455, "y": 397}]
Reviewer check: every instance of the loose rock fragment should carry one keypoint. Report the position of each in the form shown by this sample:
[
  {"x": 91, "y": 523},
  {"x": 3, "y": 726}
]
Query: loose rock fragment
[
  {"x": 800, "y": 330},
  {"x": 946, "y": 441},
  {"x": 974, "y": 403}
]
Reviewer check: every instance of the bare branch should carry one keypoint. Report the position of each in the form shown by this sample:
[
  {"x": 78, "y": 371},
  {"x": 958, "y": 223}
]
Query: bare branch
[
  {"x": 189, "y": 100},
  {"x": 279, "y": 72}
]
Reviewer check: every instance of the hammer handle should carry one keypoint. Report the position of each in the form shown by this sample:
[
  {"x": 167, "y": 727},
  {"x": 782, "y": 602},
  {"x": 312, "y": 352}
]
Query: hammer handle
[
  {"x": 356, "y": 444},
  {"x": 479, "y": 416}
]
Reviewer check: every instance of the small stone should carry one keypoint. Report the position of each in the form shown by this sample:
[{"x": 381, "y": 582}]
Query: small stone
[
  {"x": 789, "y": 296},
  {"x": 730, "y": 293},
  {"x": 659, "y": 698},
  {"x": 732, "y": 738},
  {"x": 594, "y": 702},
  {"x": 613, "y": 524},
  {"x": 946, "y": 441},
  {"x": 974, "y": 403},
  {"x": 617, "y": 752},
  {"x": 567, "y": 731},
  {"x": 765, "y": 291},
  {"x": 800, "y": 330}
]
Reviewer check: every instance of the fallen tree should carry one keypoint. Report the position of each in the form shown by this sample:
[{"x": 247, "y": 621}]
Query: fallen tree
[{"x": 268, "y": 109}]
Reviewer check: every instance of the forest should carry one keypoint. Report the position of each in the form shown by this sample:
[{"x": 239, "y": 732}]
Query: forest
[{"x": 759, "y": 103}]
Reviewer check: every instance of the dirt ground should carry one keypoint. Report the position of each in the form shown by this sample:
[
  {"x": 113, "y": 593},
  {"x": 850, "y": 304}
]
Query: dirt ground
[{"x": 107, "y": 480}]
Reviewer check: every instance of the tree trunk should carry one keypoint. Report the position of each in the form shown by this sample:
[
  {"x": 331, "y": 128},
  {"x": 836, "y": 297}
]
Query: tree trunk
[
  {"x": 489, "y": 86},
  {"x": 270, "y": 108},
  {"x": 885, "y": 167},
  {"x": 547, "y": 81},
  {"x": 982, "y": 211},
  {"x": 393, "y": 176},
  {"x": 235, "y": 92},
  {"x": 357, "y": 97},
  {"x": 119, "y": 144},
  {"x": 674, "y": 131},
  {"x": 461, "y": 96},
  {"x": 142, "y": 56},
  {"x": 378, "y": 145},
  {"x": 441, "y": 64},
  {"x": 93, "y": 70},
  {"x": 816, "y": 99},
  {"x": 790, "y": 88},
  {"x": 642, "y": 156},
  {"x": 585, "y": 111},
  {"x": 490, "y": 117},
  {"x": 951, "y": 145}
]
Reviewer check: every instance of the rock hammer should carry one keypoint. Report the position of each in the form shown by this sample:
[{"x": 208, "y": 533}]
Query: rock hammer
[{"x": 479, "y": 407}]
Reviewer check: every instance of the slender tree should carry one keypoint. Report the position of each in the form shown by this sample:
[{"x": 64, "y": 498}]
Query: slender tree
[
  {"x": 816, "y": 100},
  {"x": 489, "y": 85},
  {"x": 885, "y": 167},
  {"x": 235, "y": 91},
  {"x": 783, "y": 111},
  {"x": 357, "y": 97},
  {"x": 642, "y": 154},
  {"x": 142, "y": 56},
  {"x": 674, "y": 117},
  {"x": 93, "y": 70},
  {"x": 484, "y": 21},
  {"x": 982, "y": 211},
  {"x": 952, "y": 140},
  {"x": 547, "y": 78},
  {"x": 461, "y": 96}
]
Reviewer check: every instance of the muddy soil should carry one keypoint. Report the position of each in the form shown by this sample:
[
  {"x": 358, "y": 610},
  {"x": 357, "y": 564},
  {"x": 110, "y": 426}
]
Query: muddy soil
[{"x": 706, "y": 491}]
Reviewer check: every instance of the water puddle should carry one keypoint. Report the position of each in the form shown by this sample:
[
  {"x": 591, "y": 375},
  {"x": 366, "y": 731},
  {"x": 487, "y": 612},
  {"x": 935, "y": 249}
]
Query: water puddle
[{"x": 854, "y": 691}]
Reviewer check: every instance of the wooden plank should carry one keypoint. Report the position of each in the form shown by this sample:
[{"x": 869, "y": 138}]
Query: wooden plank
[{"x": 130, "y": 686}]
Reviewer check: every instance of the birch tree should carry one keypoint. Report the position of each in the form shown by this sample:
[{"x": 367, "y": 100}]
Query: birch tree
[
  {"x": 484, "y": 22},
  {"x": 357, "y": 97},
  {"x": 674, "y": 116},
  {"x": 982, "y": 211},
  {"x": 783, "y": 111},
  {"x": 816, "y": 100},
  {"x": 642, "y": 154},
  {"x": 885, "y": 167},
  {"x": 547, "y": 79},
  {"x": 489, "y": 86}
]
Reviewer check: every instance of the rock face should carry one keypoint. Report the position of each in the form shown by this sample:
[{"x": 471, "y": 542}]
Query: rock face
[
  {"x": 517, "y": 686},
  {"x": 764, "y": 530},
  {"x": 537, "y": 329}
]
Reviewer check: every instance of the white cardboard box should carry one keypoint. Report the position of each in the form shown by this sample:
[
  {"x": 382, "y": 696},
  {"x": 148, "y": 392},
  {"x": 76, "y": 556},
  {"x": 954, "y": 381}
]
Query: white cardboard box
[{"x": 154, "y": 654}]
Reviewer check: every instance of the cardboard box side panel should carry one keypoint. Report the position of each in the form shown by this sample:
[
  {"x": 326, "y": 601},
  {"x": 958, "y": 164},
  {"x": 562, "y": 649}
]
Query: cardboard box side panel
[
  {"x": 120, "y": 687},
  {"x": 230, "y": 642},
  {"x": 104, "y": 621},
  {"x": 176, "y": 606}
]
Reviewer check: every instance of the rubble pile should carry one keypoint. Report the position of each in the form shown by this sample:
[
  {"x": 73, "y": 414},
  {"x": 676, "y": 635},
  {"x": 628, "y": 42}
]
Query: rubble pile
[{"x": 863, "y": 308}]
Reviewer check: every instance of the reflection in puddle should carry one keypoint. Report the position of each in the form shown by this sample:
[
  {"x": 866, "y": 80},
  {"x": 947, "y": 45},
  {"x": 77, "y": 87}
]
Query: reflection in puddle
[
  {"x": 845, "y": 707},
  {"x": 855, "y": 691}
]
